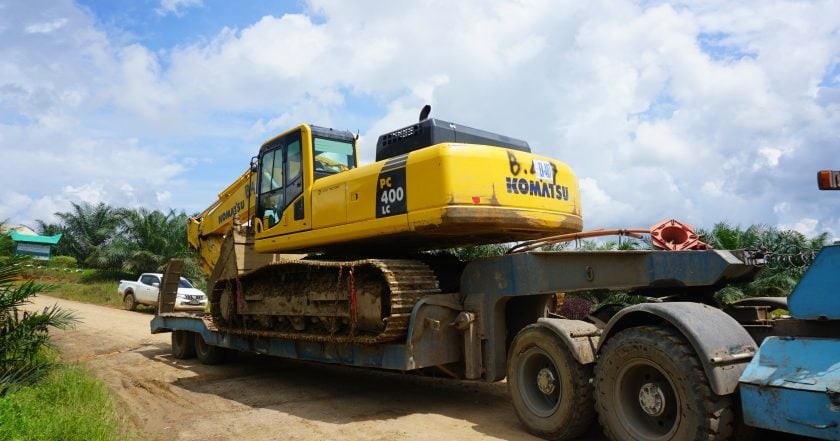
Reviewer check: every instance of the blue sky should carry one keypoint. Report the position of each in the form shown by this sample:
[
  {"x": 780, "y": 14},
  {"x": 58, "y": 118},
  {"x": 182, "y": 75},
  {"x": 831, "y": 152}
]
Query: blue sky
[
  {"x": 154, "y": 25},
  {"x": 701, "y": 111}
]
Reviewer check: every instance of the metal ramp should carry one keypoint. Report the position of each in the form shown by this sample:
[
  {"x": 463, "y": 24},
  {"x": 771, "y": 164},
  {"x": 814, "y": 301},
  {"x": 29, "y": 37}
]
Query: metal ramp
[{"x": 169, "y": 285}]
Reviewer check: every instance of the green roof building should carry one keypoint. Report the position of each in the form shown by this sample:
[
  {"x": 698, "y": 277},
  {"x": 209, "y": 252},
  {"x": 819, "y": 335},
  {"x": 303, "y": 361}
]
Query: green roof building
[{"x": 39, "y": 247}]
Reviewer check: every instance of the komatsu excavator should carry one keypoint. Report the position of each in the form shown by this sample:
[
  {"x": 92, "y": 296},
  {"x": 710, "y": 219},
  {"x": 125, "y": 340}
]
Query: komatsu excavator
[{"x": 359, "y": 231}]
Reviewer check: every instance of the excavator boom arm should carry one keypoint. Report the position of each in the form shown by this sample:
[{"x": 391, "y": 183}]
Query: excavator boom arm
[{"x": 234, "y": 206}]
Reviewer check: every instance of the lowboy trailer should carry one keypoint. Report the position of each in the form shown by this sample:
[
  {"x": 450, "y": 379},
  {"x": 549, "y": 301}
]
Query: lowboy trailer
[{"x": 665, "y": 369}]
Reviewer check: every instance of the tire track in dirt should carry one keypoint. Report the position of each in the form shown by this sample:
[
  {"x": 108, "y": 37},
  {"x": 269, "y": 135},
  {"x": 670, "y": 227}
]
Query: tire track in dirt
[{"x": 265, "y": 398}]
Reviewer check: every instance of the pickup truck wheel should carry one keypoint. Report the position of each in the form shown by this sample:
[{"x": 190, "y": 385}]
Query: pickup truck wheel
[
  {"x": 129, "y": 302},
  {"x": 209, "y": 354},
  {"x": 549, "y": 389},
  {"x": 183, "y": 344},
  {"x": 650, "y": 385}
]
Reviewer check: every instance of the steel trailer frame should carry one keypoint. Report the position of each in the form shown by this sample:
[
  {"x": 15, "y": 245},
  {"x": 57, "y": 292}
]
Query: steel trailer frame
[{"x": 468, "y": 328}]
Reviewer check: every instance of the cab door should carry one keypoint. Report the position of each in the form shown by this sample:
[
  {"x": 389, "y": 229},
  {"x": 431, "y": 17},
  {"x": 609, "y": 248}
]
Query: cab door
[
  {"x": 281, "y": 196},
  {"x": 148, "y": 291}
]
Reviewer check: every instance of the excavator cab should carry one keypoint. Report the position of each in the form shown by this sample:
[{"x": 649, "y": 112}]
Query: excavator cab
[{"x": 288, "y": 164}]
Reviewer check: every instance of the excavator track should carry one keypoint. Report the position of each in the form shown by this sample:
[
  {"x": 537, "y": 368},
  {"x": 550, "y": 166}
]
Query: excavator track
[{"x": 290, "y": 284}]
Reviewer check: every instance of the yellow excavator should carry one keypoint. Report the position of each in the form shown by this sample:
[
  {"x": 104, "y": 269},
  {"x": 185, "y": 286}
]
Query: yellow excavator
[{"x": 359, "y": 233}]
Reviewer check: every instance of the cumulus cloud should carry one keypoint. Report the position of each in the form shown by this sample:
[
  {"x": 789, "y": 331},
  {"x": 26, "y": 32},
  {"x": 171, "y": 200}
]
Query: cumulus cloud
[{"x": 699, "y": 111}]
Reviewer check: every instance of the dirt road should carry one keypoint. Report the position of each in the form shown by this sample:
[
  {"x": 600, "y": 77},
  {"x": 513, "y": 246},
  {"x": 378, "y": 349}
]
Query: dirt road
[{"x": 264, "y": 398}]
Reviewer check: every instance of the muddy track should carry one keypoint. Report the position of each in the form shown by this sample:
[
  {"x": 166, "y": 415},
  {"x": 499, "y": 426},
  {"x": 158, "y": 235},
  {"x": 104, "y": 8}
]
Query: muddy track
[
  {"x": 287, "y": 285},
  {"x": 264, "y": 398}
]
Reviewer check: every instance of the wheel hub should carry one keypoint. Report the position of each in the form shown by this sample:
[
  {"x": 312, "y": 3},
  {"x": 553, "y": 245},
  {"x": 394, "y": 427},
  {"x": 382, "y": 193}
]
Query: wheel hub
[
  {"x": 652, "y": 399},
  {"x": 546, "y": 381}
]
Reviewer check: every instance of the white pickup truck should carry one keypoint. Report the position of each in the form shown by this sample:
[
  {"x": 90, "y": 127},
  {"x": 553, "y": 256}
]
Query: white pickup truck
[{"x": 144, "y": 291}]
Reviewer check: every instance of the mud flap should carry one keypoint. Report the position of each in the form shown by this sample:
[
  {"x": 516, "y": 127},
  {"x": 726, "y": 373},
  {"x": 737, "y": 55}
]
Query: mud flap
[
  {"x": 723, "y": 346},
  {"x": 580, "y": 337}
]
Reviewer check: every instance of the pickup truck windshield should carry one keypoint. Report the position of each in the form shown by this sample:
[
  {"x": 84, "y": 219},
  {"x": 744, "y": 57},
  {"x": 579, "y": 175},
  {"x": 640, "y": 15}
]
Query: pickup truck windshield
[
  {"x": 332, "y": 156},
  {"x": 185, "y": 283}
]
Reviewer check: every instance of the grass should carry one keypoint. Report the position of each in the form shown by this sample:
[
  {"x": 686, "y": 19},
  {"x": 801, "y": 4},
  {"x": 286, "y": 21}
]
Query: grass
[
  {"x": 70, "y": 404},
  {"x": 88, "y": 286},
  {"x": 100, "y": 293}
]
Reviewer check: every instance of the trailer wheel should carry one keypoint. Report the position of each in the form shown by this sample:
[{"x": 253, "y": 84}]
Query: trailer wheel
[
  {"x": 208, "y": 354},
  {"x": 549, "y": 389},
  {"x": 129, "y": 302},
  {"x": 649, "y": 385},
  {"x": 183, "y": 345}
]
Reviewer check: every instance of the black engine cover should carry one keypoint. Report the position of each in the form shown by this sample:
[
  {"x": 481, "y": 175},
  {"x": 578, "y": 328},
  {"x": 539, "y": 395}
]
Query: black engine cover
[{"x": 434, "y": 131}]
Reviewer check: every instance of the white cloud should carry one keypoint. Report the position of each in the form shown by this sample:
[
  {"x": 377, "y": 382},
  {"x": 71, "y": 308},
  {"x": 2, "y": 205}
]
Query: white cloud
[
  {"x": 163, "y": 197},
  {"x": 806, "y": 226},
  {"x": 770, "y": 156},
  {"x": 10, "y": 204},
  {"x": 698, "y": 111},
  {"x": 139, "y": 90},
  {"x": 46, "y": 27},
  {"x": 176, "y": 7},
  {"x": 597, "y": 203},
  {"x": 90, "y": 193}
]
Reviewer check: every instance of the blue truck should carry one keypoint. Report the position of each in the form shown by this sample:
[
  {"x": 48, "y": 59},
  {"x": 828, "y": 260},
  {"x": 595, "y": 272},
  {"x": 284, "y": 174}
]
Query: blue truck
[
  {"x": 792, "y": 384},
  {"x": 677, "y": 367}
]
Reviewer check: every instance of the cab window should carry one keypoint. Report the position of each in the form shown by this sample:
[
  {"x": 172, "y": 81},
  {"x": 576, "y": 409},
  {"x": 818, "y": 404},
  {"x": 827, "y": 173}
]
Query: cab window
[
  {"x": 272, "y": 197},
  {"x": 294, "y": 170},
  {"x": 294, "y": 161},
  {"x": 267, "y": 182},
  {"x": 280, "y": 178},
  {"x": 332, "y": 156}
]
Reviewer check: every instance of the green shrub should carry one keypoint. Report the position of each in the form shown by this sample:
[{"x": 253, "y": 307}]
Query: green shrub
[
  {"x": 23, "y": 334},
  {"x": 63, "y": 262}
]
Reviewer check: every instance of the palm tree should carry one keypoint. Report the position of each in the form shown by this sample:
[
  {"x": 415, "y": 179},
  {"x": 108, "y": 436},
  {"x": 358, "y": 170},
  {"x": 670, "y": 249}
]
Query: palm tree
[
  {"x": 45, "y": 229},
  {"x": 88, "y": 227},
  {"x": 145, "y": 241},
  {"x": 466, "y": 254},
  {"x": 23, "y": 333},
  {"x": 725, "y": 237},
  {"x": 788, "y": 255},
  {"x": 625, "y": 244}
]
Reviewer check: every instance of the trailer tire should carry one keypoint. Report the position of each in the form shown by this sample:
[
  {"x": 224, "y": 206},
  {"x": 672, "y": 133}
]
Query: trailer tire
[
  {"x": 208, "y": 354},
  {"x": 183, "y": 344},
  {"x": 549, "y": 389},
  {"x": 650, "y": 385},
  {"x": 129, "y": 302}
]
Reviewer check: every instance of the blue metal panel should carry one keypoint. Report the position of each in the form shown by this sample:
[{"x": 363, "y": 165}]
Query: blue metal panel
[
  {"x": 389, "y": 356},
  {"x": 547, "y": 273},
  {"x": 793, "y": 385},
  {"x": 817, "y": 296}
]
